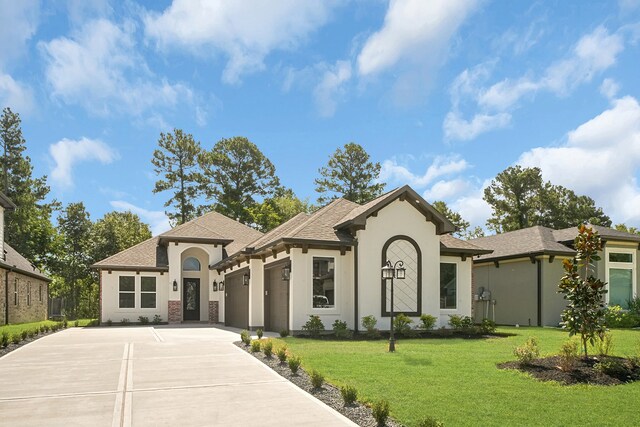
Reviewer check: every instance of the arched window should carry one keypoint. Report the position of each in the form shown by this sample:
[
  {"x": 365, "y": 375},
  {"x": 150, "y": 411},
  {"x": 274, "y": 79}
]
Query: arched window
[
  {"x": 407, "y": 292},
  {"x": 191, "y": 264}
]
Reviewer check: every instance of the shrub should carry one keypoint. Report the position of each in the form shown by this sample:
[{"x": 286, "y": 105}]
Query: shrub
[
  {"x": 255, "y": 346},
  {"x": 427, "y": 322},
  {"x": 31, "y": 333},
  {"x": 313, "y": 326},
  {"x": 157, "y": 319},
  {"x": 109, "y": 322},
  {"x": 612, "y": 367},
  {"x": 568, "y": 354},
  {"x": 16, "y": 338},
  {"x": 349, "y": 394},
  {"x": 267, "y": 348},
  {"x": 380, "y": 411},
  {"x": 144, "y": 320},
  {"x": 284, "y": 333},
  {"x": 369, "y": 324},
  {"x": 42, "y": 330},
  {"x": 76, "y": 323},
  {"x": 341, "y": 331},
  {"x": 616, "y": 317},
  {"x": 605, "y": 343},
  {"x": 282, "y": 353},
  {"x": 294, "y": 364},
  {"x": 402, "y": 325},
  {"x": 124, "y": 321},
  {"x": 245, "y": 337},
  {"x": 24, "y": 334},
  {"x": 316, "y": 379},
  {"x": 259, "y": 333},
  {"x": 461, "y": 323},
  {"x": 46, "y": 328},
  {"x": 487, "y": 326},
  {"x": 65, "y": 324},
  {"x": 528, "y": 351},
  {"x": 4, "y": 339},
  {"x": 634, "y": 306},
  {"x": 429, "y": 422}
]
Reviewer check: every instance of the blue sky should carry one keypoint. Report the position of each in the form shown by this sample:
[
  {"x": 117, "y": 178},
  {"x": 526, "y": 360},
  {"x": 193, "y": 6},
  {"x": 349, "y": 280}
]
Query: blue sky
[{"x": 444, "y": 93}]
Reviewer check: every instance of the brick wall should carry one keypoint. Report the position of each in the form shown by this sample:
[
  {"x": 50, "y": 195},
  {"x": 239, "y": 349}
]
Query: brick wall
[
  {"x": 213, "y": 312},
  {"x": 175, "y": 311},
  {"x": 28, "y": 298},
  {"x": 3, "y": 308}
]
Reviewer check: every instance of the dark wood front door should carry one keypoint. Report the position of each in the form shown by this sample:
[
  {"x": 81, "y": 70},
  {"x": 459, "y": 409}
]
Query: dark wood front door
[{"x": 191, "y": 299}]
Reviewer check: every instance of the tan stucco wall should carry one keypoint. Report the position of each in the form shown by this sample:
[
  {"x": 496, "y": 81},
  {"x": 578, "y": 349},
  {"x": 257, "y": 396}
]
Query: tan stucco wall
[
  {"x": 552, "y": 302},
  {"x": 110, "y": 298}
]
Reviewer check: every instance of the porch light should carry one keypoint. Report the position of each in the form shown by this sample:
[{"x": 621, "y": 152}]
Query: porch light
[
  {"x": 390, "y": 272},
  {"x": 245, "y": 279},
  {"x": 214, "y": 286},
  {"x": 286, "y": 272},
  {"x": 221, "y": 286},
  {"x": 387, "y": 271},
  {"x": 175, "y": 285}
]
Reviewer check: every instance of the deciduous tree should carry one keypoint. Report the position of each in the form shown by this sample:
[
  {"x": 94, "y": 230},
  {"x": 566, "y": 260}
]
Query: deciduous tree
[
  {"x": 115, "y": 232},
  {"x": 276, "y": 210}
]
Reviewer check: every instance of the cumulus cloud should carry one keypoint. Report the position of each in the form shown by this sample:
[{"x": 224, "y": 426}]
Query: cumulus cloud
[
  {"x": 100, "y": 69},
  {"x": 458, "y": 128},
  {"x": 15, "y": 94},
  {"x": 157, "y": 220},
  {"x": 609, "y": 88},
  {"x": 245, "y": 33},
  {"x": 66, "y": 153},
  {"x": 331, "y": 88},
  {"x": 446, "y": 189},
  {"x": 18, "y": 23},
  {"x": 393, "y": 172}
]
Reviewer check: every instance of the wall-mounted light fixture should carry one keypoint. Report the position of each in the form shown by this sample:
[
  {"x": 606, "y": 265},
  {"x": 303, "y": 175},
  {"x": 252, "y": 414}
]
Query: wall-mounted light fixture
[
  {"x": 286, "y": 272},
  {"x": 175, "y": 285},
  {"x": 214, "y": 286},
  {"x": 245, "y": 279},
  {"x": 221, "y": 285}
]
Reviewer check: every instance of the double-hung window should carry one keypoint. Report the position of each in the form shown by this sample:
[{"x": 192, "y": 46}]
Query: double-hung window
[
  {"x": 127, "y": 292},
  {"x": 448, "y": 285},
  {"x": 148, "y": 292}
]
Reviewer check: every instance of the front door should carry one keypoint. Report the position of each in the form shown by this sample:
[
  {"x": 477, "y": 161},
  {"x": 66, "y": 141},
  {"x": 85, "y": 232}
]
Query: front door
[{"x": 191, "y": 299}]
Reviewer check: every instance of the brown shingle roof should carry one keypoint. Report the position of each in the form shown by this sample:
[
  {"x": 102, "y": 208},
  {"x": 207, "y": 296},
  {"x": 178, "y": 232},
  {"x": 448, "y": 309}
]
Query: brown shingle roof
[
  {"x": 453, "y": 245},
  {"x": 20, "y": 263},
  {"x": 528, "y": 241},
  {"x": 148, "y": 254},
  {"x": 606, "y": 233}
]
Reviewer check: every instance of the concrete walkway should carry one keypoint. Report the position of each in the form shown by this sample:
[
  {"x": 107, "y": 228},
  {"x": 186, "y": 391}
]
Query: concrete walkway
[{"x": 145, "y": 376}]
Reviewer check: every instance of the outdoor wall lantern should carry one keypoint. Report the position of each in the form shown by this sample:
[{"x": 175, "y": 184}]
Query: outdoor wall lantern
[
  {"x": 214, "y": 286},
  {"x": 286, "y": 272},
  {"x": 221, "y": 286},
  {"x": 245, "y": 279},
  {"x": 390, "y": 272},
  {"x": 175, "y": 285}
]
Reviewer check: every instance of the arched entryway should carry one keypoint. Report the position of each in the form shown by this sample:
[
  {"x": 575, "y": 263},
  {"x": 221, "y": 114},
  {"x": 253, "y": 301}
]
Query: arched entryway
[{"x": 407, "y": 292}]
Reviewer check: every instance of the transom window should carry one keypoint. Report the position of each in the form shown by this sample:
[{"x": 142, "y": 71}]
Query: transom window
[
  {"x": 620, "y": 257},
  {"x": 323, "y": 282},
  {"x": 191, "y": 264},
  {"x": 127, "y": 292},
  {"x": 148, "y": 292},
  {"x": 448, "y": 285}
]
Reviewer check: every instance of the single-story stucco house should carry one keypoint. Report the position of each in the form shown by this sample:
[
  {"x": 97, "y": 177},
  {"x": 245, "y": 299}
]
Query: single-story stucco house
[
  {"x": 518, "y": 282},
  {"x": 25, "y": 289},
  {"x": 327, "y": 263}
]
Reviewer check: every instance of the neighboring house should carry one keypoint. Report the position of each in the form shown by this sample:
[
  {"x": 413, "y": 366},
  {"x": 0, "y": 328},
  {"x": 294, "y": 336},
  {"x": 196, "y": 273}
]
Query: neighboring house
[
  {"x": 518, "y": 282},
  {"x": 327, "y": 263},
  {"x": 25, "y": 289}
]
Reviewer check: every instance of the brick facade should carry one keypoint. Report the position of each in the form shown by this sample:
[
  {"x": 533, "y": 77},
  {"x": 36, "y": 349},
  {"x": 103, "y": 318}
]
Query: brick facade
[
  {"x": 27, "y": 299},
  {"x": 175, "y": 311},
  {"x": 213, "y": 312}
]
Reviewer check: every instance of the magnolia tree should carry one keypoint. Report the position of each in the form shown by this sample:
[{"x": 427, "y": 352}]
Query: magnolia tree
[{"x": 585, "y": 312}]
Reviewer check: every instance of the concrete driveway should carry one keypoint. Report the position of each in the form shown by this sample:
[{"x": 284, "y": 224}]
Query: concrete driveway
[{"x": 145, "y": 376}]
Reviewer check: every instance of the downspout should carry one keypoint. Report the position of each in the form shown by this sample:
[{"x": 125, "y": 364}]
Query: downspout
[
  {"x": 355, "y": 286},
  {"x": 539, "y": 268}
]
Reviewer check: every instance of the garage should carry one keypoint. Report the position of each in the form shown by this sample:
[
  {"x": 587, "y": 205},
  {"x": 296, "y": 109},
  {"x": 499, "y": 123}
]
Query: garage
[
  {"x": 236, "y": 300},
  {"x": 276, "y": 300}
]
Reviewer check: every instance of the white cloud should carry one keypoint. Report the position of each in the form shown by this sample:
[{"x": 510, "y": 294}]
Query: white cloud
[
  {"x": 244, "y": 32},
  {"x": 609, "y": 88},
  {"x": 457, "y": 128},
  {"x": 330, "y": 88},
  {"x": 99, "y": 69},
  {"x": 601, "y": 158},
  {"x": 157, "y": 220},
  {"x": 66, "y": 153},
  {"x": 16, "y": 95},
  {"x": 18, "y": 23},
  {"x": 392, "y": 172},
  {"x": 446, "y": 189},
  {"x": 472, "y": 206}
]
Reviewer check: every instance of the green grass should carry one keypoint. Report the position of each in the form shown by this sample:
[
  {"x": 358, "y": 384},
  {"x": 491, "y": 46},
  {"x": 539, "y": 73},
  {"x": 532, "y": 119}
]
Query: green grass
[
  {"x": 17, "y": 328},
  {"x": 456, "y": 380}
]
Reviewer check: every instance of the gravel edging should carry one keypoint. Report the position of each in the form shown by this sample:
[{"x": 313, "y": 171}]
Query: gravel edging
[{"x": 328, "y": 394}]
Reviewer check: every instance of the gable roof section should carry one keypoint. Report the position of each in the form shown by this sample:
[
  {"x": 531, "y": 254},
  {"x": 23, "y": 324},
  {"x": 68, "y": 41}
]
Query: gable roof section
[
  {"x": 450, "y": 245},
  {"x": 530, "y": 241},
  {"x": 148, "y": 255},
  {"x": 13, "y": 260},
  {"x": 6, "y": 202},
  {"x": 357, "y": 218},
  {"x": 568, "y": 235}
]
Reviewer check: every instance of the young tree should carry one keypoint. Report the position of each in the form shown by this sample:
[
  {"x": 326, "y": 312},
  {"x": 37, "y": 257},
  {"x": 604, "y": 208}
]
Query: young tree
[
  {"x": 115, "y": 232},
  {"x": 586, "y": 310},
  {"x": 626, "y": 229},
  {"x": 28, "y": 229},
  {"x": 275, "y": 210},
  {"x": 177, "y": 162},
  {"x": 234, "y": 173},
  {"x": 349, "y": 174}
]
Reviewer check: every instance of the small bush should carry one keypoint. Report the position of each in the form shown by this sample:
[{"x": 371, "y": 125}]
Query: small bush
[
  {"x": 267, "y": 348},
  {"x": 427, "y": 322},
  {"x": 259, "y": 333},
  {"x": 109, "y": 322},
  {"x": 65, "y": 324},
  {"x": 16, "y": 338},
  {"x": 42, "y": 330},
  {"x": 4, "y": 339},
  {"x": 313, "y": 326},
  {"x": 461, "y": 323},
  {"x": 487, "y": 326},
  {"x": 157, "y": 319},
  {"x": 616, "y": 317},
  {"x": 46, "y": 328},
  {"x": 402, "y": 325},
  {"x": 245, "y": 337},
  {"x": 144, "y": 320},
  {"x": 528, "y": 351},
  {"x": 76, "y": 323},
  {"x": 634, "y": 306},
  {"x": 124, "y": 321},
  {"x": 380, "y": 412},
  {"x": 24, "y": 334},
  {"x": 317, "y": 379},
  {"x": 612, "y": 367},
  {"x": 369, "y": 324},
  {"x": 31, "y": 333},
  {"x": 282, "y": 354},
  {"x": 341, "y": 331},
  {"x": 294, "y": 364},
  {"x": 605, "y": 343},
  {"x": 255, "y": 346},
  {"x": 429, "y": 422},
  {"x": 568, "y": 354},
  {"x": 349, "y": 394},
  {"x": 284, "y": 333}
]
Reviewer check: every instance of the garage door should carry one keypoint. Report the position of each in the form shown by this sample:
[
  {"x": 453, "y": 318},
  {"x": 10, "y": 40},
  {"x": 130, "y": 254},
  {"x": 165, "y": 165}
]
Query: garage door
[
  {"x": 276, "y": 300},
  {"x": 236, "y": 303}
]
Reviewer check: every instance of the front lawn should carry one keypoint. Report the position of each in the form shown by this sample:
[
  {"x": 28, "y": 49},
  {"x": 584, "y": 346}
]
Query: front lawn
[
  {"x": 456, "y": 380},
  {"x": 17, "y": 328}
]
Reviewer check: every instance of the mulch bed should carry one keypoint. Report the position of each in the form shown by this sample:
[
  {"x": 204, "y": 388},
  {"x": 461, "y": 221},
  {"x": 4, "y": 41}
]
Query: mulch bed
[
  {"x": 583, "y": 371},
  {"x": 8, "y": 349},
  {"x": 330, "y": 395}
]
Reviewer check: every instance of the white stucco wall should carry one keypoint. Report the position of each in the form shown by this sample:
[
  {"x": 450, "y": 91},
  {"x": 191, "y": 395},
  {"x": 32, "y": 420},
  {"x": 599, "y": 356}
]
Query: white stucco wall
[{"x": 110, "y": 297}]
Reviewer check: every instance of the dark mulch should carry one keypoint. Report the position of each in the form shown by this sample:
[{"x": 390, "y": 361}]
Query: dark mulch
[
  {"x": 358, "y": 413},
  {"x": 617, "y": 370},
  {"x": 9, "y": 348}
]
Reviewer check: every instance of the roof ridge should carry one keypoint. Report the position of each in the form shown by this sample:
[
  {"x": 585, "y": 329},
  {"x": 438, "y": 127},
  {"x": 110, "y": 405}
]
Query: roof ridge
[{"x": 128, "y": 249}]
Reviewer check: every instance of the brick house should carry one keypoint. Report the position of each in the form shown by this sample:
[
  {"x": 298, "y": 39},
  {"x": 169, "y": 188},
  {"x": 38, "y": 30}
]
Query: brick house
[{"x": 24, "y": 289}]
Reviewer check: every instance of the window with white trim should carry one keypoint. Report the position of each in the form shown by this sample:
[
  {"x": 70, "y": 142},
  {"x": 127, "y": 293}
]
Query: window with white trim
[
  {"x": 147, "y": 292},
  {"x": 448, "y": 285},
  {"x": 323, "y": 295},
  {"x": 621, "y": 274},
  {"x": 127, "y": 292}
]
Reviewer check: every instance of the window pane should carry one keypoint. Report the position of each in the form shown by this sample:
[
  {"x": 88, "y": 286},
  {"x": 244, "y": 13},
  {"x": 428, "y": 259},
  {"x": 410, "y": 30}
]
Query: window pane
[
  {"x": 148, "y": 300},
  {"x": 191, "y": 264},
  {"x": 620, "y": 283},
  {"x": 127, "y": 284},
  {"x": 127, "y": 300},
  {"x": 448, "y": 286},
  {"x": 620, "y": 257},
  {"x": 323, "y": 283},
  {"x": 148, "y": 284}
]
